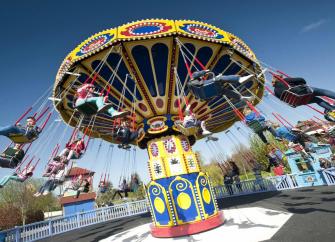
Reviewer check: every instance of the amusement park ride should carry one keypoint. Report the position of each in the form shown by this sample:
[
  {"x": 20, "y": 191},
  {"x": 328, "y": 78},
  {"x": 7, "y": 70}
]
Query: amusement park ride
[
  {"x": 140, "y": 84},
  {"x": 144, "y": 67}
]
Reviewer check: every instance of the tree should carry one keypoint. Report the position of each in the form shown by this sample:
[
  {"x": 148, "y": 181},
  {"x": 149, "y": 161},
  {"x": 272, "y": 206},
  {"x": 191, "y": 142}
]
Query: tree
[{"x": 19, "y": 197}]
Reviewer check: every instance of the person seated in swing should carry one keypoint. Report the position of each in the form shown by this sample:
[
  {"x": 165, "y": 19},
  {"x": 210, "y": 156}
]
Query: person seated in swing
[
  {"x": 125, "y": 135},
  {"x": 73, "y": 150},
  {"x": 206, "y": 85},
  {"x": 299, "y": 87},
  {"x": 19, "y": 176},
  {"x": 11, "y": 157},
  {"x": 86, "y": 97},
  {"x": 84, "y": 187},
  {"x": 135, "y": 183},
  {"x": 53, "y": 181},
  {"x": 30, "y": 132},
  {"x": 54, "y": 167},
  {"x": 123, "y": 188},
  {"x": 258, "y": 124},
  {"x": 190, "y": 121},
  {"x": 103, "y": 186}
]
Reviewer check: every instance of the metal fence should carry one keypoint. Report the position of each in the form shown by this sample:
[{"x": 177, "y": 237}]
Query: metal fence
[
  {"x": 329, "y": 176},
  {"x": 52, "y": 227}
]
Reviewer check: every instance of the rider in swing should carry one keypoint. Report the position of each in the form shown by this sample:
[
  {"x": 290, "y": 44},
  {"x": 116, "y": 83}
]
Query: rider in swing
[
  {"x": 301, "y": 88},
  {"x": 206, "y": 85},
  {"x": 86, "y": 95},
  {"x": 125, "y": 135},
  {"x": 31, "y": 131}
]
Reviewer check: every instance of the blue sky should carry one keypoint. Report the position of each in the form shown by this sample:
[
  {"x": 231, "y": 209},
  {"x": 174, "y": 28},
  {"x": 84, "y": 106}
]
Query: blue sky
[{"x": 295, "y": 36}]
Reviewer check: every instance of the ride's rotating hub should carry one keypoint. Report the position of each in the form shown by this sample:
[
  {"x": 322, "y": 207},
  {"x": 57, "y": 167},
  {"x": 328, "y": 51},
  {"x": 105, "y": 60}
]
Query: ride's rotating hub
[{"x": 181, "y": 198}]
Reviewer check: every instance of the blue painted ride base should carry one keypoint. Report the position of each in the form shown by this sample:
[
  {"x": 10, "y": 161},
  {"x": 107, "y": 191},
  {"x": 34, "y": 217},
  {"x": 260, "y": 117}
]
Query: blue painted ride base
[{"x": 181, "y": 199}]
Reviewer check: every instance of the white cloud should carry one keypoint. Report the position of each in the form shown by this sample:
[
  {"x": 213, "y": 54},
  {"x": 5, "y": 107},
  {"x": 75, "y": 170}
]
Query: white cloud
[{"x": 313, "y": 26}]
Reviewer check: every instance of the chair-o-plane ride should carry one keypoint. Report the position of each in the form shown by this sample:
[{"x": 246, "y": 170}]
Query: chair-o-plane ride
[{"x": 143, "y": 69}]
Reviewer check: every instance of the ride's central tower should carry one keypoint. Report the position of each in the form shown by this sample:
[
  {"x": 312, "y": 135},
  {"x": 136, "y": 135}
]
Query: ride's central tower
[
  {"x": 181, "y": 198},
  {"x": 160, "y": 55}
]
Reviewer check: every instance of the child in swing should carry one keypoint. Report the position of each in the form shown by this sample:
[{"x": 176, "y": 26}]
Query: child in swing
[
  {"x": 123, "y": 188},
  {"x": 73, "y": 150},
  {"x": 14, "y": 158},
  {"x": 251, "y": 117},
  {"x": 19, "y": 176},
  {"x": 191, "y": 121},
  {"x": 300, "y": 85},
  {"x": 86, "y": 95},
  {"x": 31, "y": 131},
  {"x": 125, "y": 135}
]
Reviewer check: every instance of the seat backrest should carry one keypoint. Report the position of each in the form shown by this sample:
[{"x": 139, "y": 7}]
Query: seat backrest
[{"x": 87, "y": 108}]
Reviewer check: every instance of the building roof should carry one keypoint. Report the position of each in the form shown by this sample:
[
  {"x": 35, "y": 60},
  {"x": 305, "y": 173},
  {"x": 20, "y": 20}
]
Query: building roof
[
  {"x": 82, "y": 197},
  {"x": 76, "y": 171}
]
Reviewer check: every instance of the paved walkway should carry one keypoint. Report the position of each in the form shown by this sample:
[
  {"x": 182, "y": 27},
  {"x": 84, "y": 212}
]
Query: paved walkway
[{"x": 313, "y": 217}]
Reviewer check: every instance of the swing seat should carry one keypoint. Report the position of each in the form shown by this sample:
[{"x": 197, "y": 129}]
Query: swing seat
[
  {"x": 103, "y": 189},
  {"x": 206, "y": 91},
  {"x": 21, "y": 139},
  {"x": 187, "y": 131},
  {"x": 9, "y": 158},
  {"x": 87, "y": 108},
  {"x": 297, "y": 95},
  {"x": 256, "y": 126}
]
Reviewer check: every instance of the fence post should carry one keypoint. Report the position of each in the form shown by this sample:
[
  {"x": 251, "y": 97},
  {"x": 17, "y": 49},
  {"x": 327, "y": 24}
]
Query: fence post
[
  {"x": 128, "y": 208},
  {"x": 17, "y": 234},
  {"x": 78, "y": 220},
  {"x": 50, "y": 228}
]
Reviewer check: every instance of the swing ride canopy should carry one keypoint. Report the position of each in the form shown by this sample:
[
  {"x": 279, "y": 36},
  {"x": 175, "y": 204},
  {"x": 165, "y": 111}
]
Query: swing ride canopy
[{"x": 157, "y": 54}]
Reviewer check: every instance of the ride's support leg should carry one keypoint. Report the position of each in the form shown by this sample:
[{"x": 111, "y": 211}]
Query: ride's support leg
[
  {"x": 323, "y": 92},
  {"x": 180, "y": 195},
  {"x": 11, "y": 129}
]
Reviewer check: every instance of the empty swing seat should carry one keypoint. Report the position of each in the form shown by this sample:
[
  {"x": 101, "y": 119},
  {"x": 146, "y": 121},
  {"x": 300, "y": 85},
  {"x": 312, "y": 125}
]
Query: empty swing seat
[
  {"x": 11, "y": 157},
  {"x": 297, "y": 95},
  {"x": 256, "y": 126}
]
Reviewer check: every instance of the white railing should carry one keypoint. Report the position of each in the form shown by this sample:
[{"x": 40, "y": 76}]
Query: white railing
[
  {"x": 329, "y": 175},
  {"x": 52, "y": 227},
  {"x": 276, "y": 183},
  {"x": 244, "y": 188}
]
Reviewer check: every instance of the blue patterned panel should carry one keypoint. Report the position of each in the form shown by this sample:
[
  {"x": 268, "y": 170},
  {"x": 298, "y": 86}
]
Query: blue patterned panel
[
  {"x": 159, "y": 204},
  {"x": 181, "y": 191},
  {"x": 113, "y": 60},
  {"x": 142, "y": 58},
  {"x": 182, "y": 70},
  {"x": 106, "y": 73},
  {"x": 160, "y": 56},
  {"x": 203, "y": 55},
  {"x": 206, "y": 194},
  {"x": 232, "y": 69},
  {"x": 221, "y": 64}
]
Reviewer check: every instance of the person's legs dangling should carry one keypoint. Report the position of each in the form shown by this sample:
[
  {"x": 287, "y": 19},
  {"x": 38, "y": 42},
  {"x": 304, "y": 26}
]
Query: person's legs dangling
[
  {"x": 323, "y": 92},
  {"x": 262, "y": 136},
  {"x": 11, "y": 129}
]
